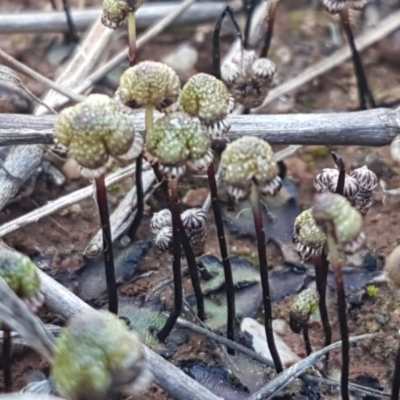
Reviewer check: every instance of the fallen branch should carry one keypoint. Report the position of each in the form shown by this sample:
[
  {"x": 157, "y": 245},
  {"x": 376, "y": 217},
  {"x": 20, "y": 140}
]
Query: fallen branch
[
  {"x": 149, "y": 13},
  {"x": 63, "y": 202},
  {"x": 288, "y": 375},
  {"x": 375, "y": 127}
]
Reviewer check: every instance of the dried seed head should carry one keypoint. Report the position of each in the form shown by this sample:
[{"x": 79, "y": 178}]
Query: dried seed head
[
  {"x": 392, "y": 268},
  {"x": 94, "y": 131},
  {"x": 248, "y": 79},
  {"x": 194, "y": 220},
  {"x": 149, "y": 83},
  {"x": 335, "y": 211},
  {"x": 367, "y": 182},
  {"x": 163, "y": 239},
  {"x": 207, "y": 98},
  {"x": 309, "y": 239},
  {"x": 335, "y": 6},
  {"x": 327, "y": 181},
  {"x": 304, "y": 305},
  {"x": 160, "y": 220},
  {"x": 115, "y": 11},
  {"x": 177, "y": 140},
  {"x": 250, "y": 159},
  {"x": 97, "y": 356},
  {"x": 21, "y": 275}
]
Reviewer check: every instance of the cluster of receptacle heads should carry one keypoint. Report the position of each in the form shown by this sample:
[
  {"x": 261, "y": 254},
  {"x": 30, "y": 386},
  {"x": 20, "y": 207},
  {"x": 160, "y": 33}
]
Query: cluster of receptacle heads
[
  {"x": 341, "y": 215},
  {"x": 193, "y": 221}
]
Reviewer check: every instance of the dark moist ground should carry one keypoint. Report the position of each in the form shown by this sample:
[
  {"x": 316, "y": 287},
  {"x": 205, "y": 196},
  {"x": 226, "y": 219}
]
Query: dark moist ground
[{"x": 301, "y": 38}]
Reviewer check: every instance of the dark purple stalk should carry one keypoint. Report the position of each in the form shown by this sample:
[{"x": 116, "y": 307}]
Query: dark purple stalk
[
  {"x": 101, "y": 197},
  {"x": 249, "y": 6},
  {"x": 140, "y": 199},
  {"x": 364, "y": 93},
  {"x": 337, "y": 265},
  {"x": 189, "y": 253},
  {"x": 396, "y": 378},
  {"x": 306, "y": 339},
  {"x": 6, "y": 359},
  {"x": 193, "y": 272},
  {"x": 219, "y": 223},
  {"x": 216, "y": 55},
  {"x": 321, "y": 265},
  {"x": 176, "y": 261},
  {"x": 262, "y": 256},
  {"x": 270, "y": 28},
  {"x": 72, "y": 36},
  {"x": 337, "y": 158}
]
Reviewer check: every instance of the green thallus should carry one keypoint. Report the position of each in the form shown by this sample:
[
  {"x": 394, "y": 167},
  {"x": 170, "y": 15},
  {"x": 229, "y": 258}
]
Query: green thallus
[
  {"x": 208, "y": 99},
  {"x": 97, "y": 356},
  {"x": 248, "y": 78}
]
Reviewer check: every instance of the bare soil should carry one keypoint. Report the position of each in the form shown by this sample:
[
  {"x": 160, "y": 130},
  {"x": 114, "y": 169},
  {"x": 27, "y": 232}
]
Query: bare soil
[{"x": 301, "y": 38}]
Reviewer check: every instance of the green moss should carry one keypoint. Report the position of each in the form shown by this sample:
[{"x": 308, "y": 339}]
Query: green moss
[{"x": 372, "y": 291}]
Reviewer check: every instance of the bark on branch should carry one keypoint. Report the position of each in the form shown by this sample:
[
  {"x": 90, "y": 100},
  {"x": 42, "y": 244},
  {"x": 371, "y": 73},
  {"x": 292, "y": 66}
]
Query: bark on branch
[{"x": 362, "y": 128}]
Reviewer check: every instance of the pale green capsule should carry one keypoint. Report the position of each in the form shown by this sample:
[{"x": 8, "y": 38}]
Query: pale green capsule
[
  {"x": 96, "y": 356},
  {"x": 304, "y": 305},
  {"x": 250, "y": 159},
  {"x": 95, "y": 130},
  {"x": 307, "y": 236}
]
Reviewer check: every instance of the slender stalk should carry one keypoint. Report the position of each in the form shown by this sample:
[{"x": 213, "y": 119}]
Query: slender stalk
[
  {"x": 215, "y": 41},
  {"x": 193, "y": 272},
  {"x": 176, "y": 261},
  {"x": 6, "y": 359},
  {"x": 262, "y": 255},
  {"x": 138, "y": 178},
  {"x": 71, "y": 36},
  {"x": 342, "y": 172},
  {"x": 364, "y": 93},
  {"x": 223, "y": 248},
  {"x": 337, "y": 265},
  {"x": 321, "y": 265},
  {"x": 306, "y": 339},
  {"x": 273, "y": 4},
  {"x": 249, "y": 10},
  {"x": 101, "y": 197},
  {"x": 396, "y": 378},
  {"x": 132, "y": 38}
]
